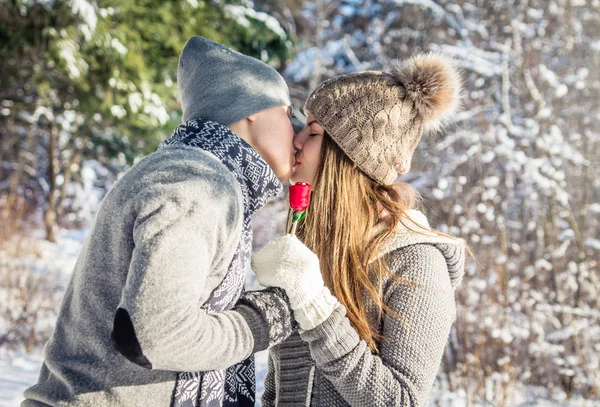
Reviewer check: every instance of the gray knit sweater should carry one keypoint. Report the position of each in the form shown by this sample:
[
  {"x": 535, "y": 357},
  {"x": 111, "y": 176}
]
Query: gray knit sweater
[
  {"x": 162, "y": 241},
  {"x": 331, "y": 366}
]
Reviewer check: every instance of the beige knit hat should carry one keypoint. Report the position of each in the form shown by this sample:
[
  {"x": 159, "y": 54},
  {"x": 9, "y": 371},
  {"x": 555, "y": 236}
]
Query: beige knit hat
[{"x": 378, "y": 118}]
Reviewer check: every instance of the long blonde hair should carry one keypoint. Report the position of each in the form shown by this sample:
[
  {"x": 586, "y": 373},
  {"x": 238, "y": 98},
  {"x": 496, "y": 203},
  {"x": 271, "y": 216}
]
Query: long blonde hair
[{"x": 345, "y": 207}]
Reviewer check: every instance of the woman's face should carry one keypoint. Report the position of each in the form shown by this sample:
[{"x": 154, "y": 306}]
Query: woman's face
[{"x": 308, "y": 152}]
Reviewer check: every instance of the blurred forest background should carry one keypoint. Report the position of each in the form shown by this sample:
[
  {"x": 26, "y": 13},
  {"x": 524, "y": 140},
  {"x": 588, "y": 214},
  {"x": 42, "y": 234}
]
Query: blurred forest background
[{"x": 88, "y": 87}]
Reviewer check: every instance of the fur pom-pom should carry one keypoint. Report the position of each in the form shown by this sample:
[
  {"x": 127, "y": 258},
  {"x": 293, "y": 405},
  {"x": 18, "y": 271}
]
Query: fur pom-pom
[{"x": 433, "y": 83}]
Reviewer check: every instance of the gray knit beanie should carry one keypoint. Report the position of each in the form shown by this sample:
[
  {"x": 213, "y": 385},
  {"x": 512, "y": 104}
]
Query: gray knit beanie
[
  {"x": 219, "y": 84},
  {"x": 378, "y": 118}
]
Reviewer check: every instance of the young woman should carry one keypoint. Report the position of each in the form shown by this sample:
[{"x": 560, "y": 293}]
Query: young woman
[{"x": 370, "y": 284}]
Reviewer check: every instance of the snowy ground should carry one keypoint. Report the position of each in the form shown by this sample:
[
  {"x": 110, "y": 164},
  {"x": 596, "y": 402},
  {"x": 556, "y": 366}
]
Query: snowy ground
[{"x": 18, "y": 371}]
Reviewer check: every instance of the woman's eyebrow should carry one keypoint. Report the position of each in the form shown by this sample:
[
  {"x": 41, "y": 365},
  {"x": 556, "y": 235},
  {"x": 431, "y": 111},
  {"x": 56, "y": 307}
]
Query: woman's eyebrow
[{"x": 311, "y": 123}]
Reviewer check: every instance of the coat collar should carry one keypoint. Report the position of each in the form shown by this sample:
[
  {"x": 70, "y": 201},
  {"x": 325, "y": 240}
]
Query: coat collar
[{"x": 414, "y": 229}]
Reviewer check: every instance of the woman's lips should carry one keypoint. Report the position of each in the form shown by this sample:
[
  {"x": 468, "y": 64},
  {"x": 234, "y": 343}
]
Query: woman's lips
[{"x": 297, "y": 164}]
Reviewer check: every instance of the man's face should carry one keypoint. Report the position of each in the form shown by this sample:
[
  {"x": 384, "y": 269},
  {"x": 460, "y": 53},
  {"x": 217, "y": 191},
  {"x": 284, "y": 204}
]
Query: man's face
[{"x": 273, "y": 135}]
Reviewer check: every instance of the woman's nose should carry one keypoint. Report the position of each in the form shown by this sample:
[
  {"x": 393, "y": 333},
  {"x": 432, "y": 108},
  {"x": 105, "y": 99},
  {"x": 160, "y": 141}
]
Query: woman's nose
[{"x": 299, "y": 141}]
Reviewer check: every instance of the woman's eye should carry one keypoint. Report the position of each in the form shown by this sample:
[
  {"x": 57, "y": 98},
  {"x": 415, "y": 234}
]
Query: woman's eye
[{"x": 313, "y": 134}]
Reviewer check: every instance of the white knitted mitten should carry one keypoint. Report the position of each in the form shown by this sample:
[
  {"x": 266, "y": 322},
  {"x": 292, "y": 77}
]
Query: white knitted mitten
[{"x": 287, "y": 263}]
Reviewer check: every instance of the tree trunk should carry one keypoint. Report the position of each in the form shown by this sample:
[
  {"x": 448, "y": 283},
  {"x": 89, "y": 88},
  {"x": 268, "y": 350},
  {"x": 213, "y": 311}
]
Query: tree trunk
[{"x": 50, "y": 212}]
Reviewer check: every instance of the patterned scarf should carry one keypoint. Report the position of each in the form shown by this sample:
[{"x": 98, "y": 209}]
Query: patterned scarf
[{"x": 236, "y": 385}]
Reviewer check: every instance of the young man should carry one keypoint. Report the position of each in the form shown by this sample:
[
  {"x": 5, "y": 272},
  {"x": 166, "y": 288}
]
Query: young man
[{"x": 155, "y": 312}]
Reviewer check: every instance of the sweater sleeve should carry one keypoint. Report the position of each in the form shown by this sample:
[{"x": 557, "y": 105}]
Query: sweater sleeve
[
  {"x": 181, "y": 232},
  {"x": 409, "y": 359},
  {"x": 270, "y": 393}
]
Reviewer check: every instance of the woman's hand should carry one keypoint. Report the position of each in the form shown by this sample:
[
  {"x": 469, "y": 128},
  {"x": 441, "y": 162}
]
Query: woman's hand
[{"x": 287, "y": 263}]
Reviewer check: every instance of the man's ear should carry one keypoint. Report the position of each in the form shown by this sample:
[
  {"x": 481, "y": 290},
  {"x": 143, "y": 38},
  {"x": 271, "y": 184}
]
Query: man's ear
[{"x": 252, "y": 118}]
